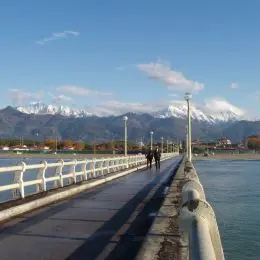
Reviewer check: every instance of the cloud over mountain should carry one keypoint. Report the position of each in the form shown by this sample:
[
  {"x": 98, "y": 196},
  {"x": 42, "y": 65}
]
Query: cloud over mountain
[{"x": 174, "y": 80}]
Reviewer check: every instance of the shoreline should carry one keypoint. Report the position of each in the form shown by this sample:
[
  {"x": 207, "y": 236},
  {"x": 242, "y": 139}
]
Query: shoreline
[
  {"x": 228, "y": 157},
  {"x": 54, "y": 156}
]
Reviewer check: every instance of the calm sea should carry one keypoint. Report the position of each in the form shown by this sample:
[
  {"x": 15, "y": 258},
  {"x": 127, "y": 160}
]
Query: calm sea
[{"x": 233, "y": 189}]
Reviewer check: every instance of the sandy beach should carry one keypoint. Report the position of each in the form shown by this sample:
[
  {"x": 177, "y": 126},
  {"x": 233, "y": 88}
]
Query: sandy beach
[{"x": 229, "y": 157}]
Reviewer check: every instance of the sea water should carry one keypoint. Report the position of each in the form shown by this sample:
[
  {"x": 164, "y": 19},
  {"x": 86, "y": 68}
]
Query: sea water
[{"x": 232, "y": 187}]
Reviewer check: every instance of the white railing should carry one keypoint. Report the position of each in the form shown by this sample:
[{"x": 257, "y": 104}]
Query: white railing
[
  {"x": 197, "y": 219},
  {"x": 72, "y": 172}
]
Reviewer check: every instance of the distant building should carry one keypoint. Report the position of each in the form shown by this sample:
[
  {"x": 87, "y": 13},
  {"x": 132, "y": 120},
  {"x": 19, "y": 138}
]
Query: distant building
[
  {"x": 141, "y": 144},
  {"x": 68, "y": 148},
  {"x": 223, "y": 142}
]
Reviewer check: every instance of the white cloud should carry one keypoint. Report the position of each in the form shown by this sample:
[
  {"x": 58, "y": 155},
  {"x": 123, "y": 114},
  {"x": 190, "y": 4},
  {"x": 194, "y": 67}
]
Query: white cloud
[
  {"x": 57, "y": 36},
  {"x": 175, "y": 80},
  {"x": 213, "y": 106},
  {"x": 18, "y": 96},
  {"x": 119, "y": 108},
  {"x": 220, "y": 105},
  {"x": 79, "y": 91},
  {"x": 234, "y": 85},
  {"x": 60, "y": 98}
]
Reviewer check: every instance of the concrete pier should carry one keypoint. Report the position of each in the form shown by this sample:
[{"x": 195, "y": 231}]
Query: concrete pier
[{"x": 110, "y": 221}]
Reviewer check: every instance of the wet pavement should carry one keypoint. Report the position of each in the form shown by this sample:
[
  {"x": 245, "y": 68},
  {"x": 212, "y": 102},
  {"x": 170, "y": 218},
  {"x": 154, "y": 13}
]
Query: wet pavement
[{"x": 108, "y": 222}]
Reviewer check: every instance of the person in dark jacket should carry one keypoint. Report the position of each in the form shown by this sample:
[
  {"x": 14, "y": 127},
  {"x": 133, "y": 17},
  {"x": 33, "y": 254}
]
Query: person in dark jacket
[
  {"x": 157, "y": 157},
  {"x": 149, "y": 157}
]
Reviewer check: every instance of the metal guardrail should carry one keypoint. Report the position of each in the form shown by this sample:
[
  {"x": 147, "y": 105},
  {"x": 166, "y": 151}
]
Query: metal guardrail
[
  {"x": 74, "y": 171},
  {"x": 197, "y": 219}
]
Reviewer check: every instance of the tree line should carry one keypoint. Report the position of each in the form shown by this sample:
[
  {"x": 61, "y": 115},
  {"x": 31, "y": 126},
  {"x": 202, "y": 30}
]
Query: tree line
[
  {"x": 78, "y": 145},
  {"x": 254, "y": 142}
]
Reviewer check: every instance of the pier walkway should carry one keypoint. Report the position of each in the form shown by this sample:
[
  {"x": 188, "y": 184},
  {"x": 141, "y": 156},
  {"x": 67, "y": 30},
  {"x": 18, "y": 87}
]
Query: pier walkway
[{"x": 108, "y": 222}]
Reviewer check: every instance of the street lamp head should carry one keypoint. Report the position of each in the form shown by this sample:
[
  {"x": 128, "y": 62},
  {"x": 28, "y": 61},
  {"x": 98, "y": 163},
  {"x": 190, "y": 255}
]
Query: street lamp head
[
  {"x": 162, "y": 138},
  {"x": 125, "y": 118},
  {"x": 151, "y": 132},
  {"x": 187, "y": 96}
]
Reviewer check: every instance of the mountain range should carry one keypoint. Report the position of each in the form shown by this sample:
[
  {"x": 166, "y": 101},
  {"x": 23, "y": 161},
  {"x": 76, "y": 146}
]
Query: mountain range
[
  {"x": 176, "y": 110},
  {"x": 49, "y": 123}
]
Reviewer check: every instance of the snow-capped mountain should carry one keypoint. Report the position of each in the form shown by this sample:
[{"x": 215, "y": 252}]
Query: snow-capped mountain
[
  {"x": 43, "y": 109},
  {"x": 179, "y": 110},
  {"x": 176, "y": 110}
]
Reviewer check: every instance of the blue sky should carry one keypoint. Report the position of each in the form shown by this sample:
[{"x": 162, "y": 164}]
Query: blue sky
[{"x": 139, "y": 55}]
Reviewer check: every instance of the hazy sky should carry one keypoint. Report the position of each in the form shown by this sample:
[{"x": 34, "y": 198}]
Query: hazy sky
[{"x": 138, "y": 55}]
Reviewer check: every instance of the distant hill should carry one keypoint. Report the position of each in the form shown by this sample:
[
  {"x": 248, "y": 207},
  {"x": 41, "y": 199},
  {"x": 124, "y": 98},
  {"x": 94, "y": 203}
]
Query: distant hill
[{"x": 14, "y": 124}]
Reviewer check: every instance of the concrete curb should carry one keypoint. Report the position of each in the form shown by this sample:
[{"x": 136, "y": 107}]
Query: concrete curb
[
  {"x": 32, "y": 205},
  {"x": 164, "y": 239}
]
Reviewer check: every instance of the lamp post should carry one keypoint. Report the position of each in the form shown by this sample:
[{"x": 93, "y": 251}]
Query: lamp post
[
  {"x": 167, "y": 146},
  {"x": 188, "y": 97},
  {"x": 186, "y": 136},
  {"x": 125, "y": 118},
  {"x": 162, "y": 144},
  {"x": 151, "y": 133}
]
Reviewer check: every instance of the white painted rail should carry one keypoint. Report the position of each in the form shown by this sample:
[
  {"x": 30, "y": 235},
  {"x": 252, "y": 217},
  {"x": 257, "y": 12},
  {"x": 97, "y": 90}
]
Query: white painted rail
[
  {"x": 197, "y": 219},
  {"x": 72, "y": 172}
]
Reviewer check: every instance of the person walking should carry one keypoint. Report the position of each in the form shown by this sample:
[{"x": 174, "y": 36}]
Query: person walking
[
  {"x": 149, "y": 157},
  {"x": 157, "y": 157}
]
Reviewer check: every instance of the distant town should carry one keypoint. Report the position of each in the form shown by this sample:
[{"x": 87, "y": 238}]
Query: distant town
[{"x": 222, "y": 144}]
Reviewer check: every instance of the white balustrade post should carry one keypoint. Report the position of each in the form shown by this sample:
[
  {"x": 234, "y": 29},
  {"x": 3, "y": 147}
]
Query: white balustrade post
[
  {"x": 41, "y": 176},
  {"x": 18, "y": 178},
  {"x": 117, "y": 165},
  {"x": 114, "y": 165},
  {"x": 94, "y": 168},
  {"x": 108, "y": 164},
  {"x": 102, "y": 166},
  {"x": 127, "y": 161},
  {"x": 59, "y": 173},
  {"x": 84, "y": 176},
  {"x": 73, "y": 170}
]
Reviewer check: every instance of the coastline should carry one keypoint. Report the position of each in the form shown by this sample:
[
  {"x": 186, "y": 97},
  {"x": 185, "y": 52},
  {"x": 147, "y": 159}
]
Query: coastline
[
  {"x": 54, "y": 156},
  {"x": 229, "y": 157}
]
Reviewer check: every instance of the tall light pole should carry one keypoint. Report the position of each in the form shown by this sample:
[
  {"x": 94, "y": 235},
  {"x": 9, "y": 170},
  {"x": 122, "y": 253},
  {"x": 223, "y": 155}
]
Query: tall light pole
[
  {"x": 151, "y": 133},
  {"x": 186, "y": 136},
  {"x": 125, "y": 118},
  {"x": 188, "y": 97},
  {"x": 56, "y": 141},
  {"x": 167, "y": 146},
  {"x": 162, "y": 144}
]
